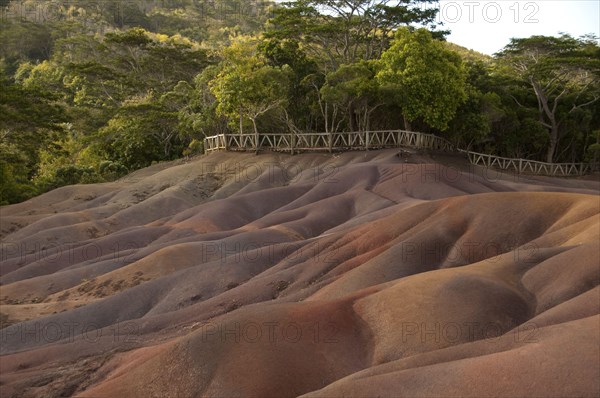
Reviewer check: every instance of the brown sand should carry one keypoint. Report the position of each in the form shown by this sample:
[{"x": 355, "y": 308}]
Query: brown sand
[{"x": 358, "y": 274}]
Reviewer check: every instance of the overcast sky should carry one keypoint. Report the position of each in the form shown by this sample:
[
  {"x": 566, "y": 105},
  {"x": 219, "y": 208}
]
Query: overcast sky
[{"x": 487, "y": 26}]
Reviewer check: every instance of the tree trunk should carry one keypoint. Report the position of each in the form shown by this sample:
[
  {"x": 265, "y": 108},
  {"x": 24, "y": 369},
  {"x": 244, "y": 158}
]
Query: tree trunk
[
  {"x": 352, "y": 120},
  {"x": 406, "y": 124},
  {"x": 241, "y": 126},
  {"x": 255, "y": 136},
  {"x": 553, "y": 143},
  {"x": 326, "y": 116}
]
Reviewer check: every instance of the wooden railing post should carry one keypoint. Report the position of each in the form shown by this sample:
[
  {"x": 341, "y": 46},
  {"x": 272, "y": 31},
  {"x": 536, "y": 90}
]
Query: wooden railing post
[
  {"x": 520, "y": 166},
  {"x": 292, "y": 143}
]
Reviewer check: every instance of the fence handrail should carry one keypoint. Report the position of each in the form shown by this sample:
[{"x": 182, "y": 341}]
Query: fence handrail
[
  {"x": 365, "y": 140},
  {"x": 524, "y": 164}
]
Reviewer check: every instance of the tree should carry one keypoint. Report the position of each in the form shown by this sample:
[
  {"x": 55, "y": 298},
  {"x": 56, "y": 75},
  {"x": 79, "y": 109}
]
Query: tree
[
  {"x": 142, "y": 131},
  {"x": 15, "y": 185},
  {"x": 24, "y": 41},
  {"x": 354, "y": 89},
  {"x": 30, "y": 119},
  {"x": 127, "y": 88},
  {"x": 289, "y": 53},
  {"x": 106, "y": 72},
  {"x": 198, "y": 115},
  {"x": 345, "y": 31},
  {"x": 475, "y": 117},
  {"x": 247, "y": 87},
  {"x": 562, "y": 72},
  {"x": 423, "y": 77}
]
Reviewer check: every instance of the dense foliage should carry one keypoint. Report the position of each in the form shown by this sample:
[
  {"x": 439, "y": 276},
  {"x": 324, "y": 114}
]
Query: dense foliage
[{"x": 93, "y": 90}]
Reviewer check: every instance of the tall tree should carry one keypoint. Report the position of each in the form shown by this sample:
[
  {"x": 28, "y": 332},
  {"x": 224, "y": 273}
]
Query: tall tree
[
  {"x": 247, "y": 87},
  {"x": 472, "y": 124},
  {"x": 30, "y": 119},
  {"x": 423, "y": 77},
  {"x": 289, "y": 53},
  {"x": 354, "y": 89},
  {"x": 345, "y": 31},
  {"x": 562, "y": 72},
  {"x": 198, "y": 115}
]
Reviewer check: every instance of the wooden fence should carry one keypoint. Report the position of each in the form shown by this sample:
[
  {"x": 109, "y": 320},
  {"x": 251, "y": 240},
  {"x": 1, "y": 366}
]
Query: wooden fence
[
  {"x": 365, "y": 140},
  {"x": 524, "y": 166},
  {"x": 327, "y": 141}
]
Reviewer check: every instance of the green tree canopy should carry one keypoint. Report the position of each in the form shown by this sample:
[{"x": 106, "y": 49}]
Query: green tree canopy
[
  {"x": 563, "y": 73},
  {"x": 246, "y": 86},
  {"x": 30, "y": 120},
  {"x": 345, "y": 31},
  {"x": 353, "y": 89},
  {"x": 423, "y": 77}
]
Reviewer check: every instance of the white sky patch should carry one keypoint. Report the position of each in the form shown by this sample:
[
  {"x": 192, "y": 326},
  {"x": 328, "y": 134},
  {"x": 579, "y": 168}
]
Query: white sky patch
[{"x": 487, "y": 26}]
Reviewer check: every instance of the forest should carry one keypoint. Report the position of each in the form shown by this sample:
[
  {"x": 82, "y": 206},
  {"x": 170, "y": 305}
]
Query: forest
[{"x": 92, "y": 90}]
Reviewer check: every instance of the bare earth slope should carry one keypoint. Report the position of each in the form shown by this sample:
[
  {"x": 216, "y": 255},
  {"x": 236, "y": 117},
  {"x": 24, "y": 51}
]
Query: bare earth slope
[{"x": 358, "y": 274}]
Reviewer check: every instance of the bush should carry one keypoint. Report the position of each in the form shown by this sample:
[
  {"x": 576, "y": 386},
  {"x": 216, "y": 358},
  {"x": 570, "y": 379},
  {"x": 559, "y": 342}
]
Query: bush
[
  {"x": 593, "y": 153},
  {"x": 15, "y": 185},
  {"x": 12, "y": 188},
  {"x": 196, "y": 147},
  {"x": 74, "y": 174},
  {"x": 68, "y": 175},
  {"x": 110, "y": 171}
]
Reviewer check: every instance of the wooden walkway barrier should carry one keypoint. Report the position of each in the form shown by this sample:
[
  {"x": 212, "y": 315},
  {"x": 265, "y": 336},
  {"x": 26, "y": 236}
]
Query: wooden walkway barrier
[
  {"x": 524, "y": 166},
  {"x": 365, "y": 140},
  {"x": 327, "y": 141}
]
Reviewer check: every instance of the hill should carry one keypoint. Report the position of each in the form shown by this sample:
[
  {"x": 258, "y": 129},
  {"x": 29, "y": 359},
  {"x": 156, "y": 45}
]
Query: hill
[{"x": 357, "y": 274}]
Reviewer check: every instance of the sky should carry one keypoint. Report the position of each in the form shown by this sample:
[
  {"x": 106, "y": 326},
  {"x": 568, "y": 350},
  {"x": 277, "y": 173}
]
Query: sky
[{"x": 487, "y": 26}]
